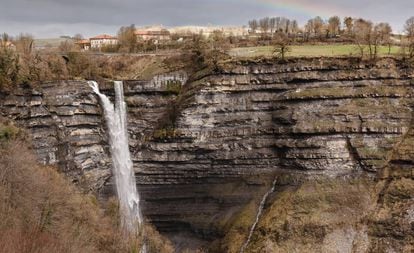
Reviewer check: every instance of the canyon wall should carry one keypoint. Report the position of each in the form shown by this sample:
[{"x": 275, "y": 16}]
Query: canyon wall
[{"x": 307, "y": 122}]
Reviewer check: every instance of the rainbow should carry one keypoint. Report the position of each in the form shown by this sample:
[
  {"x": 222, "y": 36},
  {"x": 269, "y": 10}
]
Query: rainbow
[{"x": 306, "y": 8}]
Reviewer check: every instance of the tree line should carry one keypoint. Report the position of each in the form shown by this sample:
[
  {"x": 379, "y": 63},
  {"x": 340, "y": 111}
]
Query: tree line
[
  {"x": 365, "y": 34},
  {"x": 315, "y": 27},
  {"x": 273, "y": 25}
]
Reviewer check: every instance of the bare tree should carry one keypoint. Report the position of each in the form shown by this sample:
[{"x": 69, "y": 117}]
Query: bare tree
[
  {"x": 272, "y": 23},
  {"x": 308, "y": 30},
  {"x": 361, "y": 29},
  {"x": 318, "y": 25},
  {"x": 334, "y": 25},
  {"x": 281, "y": 44},
  {"x": 294, "y": 28},
  {"x": 253, "y": 25},
  {"x": 264, "y": 24},
  {"x": 127, "y": 38},
  {"x": 287, "y": 26},
  {"x": 283, "y": 23},
  {"x": 78, "y": 37},
  {"x": 366, "y": 36},
  {"x": 315, "y": 26},
  {"x": 409, "y": 30},
  {"x": 384, "y": 32},
  {"x": 278, "y": 22},
  {"x": 349, "y": 23}
]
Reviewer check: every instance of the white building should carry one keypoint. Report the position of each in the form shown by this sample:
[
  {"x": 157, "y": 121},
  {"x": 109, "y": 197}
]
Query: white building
[{"x": 103, "y": 40}]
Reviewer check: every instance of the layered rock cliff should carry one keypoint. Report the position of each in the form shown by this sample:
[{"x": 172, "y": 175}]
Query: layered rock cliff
[{"x": 336, "y": 133}]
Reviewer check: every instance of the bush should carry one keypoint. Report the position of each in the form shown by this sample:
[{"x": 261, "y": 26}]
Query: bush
[
  {"x": 174, "y": 87},
  {"x": 110, "y": 48},
  {"x": 165, "y": 133},
  {"x": 31, "y": 68},
  {"x": 9, "y": 67},
  {"x": 79, "y": 65},
  {"x": 8, "y": 132}
]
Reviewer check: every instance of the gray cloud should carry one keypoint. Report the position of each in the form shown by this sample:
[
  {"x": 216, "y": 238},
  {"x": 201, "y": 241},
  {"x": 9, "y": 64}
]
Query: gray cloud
[{"x": 46, "y": 18}]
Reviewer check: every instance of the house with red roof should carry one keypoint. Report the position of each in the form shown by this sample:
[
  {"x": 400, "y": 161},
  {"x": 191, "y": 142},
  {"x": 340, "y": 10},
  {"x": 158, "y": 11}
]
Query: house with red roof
[
  {"x": 85, "y": 45},
  {"x": 99, "y": 41}
]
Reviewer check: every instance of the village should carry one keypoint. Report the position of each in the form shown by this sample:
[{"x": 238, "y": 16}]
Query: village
[
  {"x": 267, "y": 36},
  {"x": 155, "y": 35},
  {"x": 104, "y": 40}
]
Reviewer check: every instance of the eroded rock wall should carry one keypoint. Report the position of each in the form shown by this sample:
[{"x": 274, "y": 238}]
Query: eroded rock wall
[
  {"x": 309, "y": 119},
  {"x": 66, "y": 127}
]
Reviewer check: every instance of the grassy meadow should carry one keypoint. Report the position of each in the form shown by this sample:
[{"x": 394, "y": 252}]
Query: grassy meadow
[{"x": 309, "y": 51}]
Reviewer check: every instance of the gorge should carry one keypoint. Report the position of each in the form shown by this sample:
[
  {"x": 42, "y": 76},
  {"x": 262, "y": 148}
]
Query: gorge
[{"x": 336, "y": 133}]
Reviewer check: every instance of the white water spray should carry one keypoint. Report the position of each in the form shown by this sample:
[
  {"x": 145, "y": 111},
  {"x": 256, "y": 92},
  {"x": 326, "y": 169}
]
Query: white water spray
[
  {"x": 116, "y": 120},
  {"x": 258, "y": 215}
]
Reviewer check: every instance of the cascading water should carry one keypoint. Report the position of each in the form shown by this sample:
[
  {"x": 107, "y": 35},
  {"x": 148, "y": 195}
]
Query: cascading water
[
  {"x": 116, "y": 120},
  {"x": 258, "y": 215}
]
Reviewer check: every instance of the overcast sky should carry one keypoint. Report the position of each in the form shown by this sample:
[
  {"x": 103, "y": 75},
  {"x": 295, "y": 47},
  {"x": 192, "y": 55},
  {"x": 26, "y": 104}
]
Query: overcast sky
[{"x": 52, "y": 18}]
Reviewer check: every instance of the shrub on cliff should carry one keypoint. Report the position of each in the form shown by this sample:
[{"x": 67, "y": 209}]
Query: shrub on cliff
[
  {"x": 9, "y": 67},
  {"x": 36, "y": 68},
  {"x": 207, "y": 52},
  {"x": 8, "y": 131},
  {"x": 80, "y": 65}
]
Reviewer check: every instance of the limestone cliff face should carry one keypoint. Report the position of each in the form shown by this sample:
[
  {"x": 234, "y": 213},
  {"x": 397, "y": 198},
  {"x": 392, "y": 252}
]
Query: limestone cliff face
[
  {"x": 310, "y": 120},
  {"x": 65, "y": 124}
]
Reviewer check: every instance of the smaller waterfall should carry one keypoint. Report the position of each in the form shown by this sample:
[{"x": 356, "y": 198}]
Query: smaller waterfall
[
  {"x": 116, "y": 120},
  {"x": 258, "y": 215}
]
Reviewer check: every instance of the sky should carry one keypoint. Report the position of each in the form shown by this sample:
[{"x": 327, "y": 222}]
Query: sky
[{"x": 53, "y": 18}]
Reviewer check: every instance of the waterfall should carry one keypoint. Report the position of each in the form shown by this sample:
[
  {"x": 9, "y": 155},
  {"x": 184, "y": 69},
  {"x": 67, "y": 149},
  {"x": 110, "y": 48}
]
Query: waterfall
[
  {"x": 258, "y": 215},
  {"x": 116, "y": 120}
]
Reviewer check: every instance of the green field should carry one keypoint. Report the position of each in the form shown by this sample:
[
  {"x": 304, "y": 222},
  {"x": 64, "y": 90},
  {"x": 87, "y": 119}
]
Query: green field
[{"x": 309, "y": 51}]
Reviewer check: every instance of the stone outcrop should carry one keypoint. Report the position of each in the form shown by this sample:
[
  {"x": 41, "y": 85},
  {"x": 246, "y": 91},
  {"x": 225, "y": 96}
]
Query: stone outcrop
[
  {"x": 308, "y": 119},
  {"x": 65, "y": 124}
]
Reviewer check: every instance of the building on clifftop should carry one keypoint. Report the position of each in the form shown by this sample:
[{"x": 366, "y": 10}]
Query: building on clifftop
[{"x": 100, "y": 41}]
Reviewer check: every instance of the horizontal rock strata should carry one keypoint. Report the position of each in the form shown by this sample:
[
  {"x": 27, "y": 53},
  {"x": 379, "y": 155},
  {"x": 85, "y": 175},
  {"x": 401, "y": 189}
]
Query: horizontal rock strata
[{"x": 307, "y": 118}]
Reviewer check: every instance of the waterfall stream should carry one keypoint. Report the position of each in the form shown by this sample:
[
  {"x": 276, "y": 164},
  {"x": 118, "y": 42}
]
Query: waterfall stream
[
  {"x": 116, "y": 120},
  {"x": 258, "y": 215}
]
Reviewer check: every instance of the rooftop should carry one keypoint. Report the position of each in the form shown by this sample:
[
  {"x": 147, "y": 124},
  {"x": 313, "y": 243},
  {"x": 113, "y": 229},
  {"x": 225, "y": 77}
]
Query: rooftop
[{"x": 83, "y": 42}]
